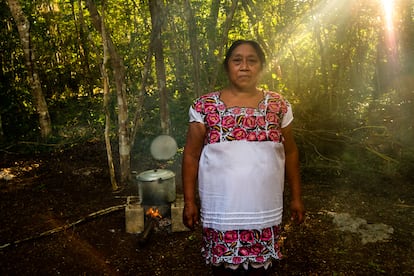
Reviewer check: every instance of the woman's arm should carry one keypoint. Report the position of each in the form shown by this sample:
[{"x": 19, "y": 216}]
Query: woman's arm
[
  {"x": 191, "y": 156},
  {"x": 293, "y": 174}
]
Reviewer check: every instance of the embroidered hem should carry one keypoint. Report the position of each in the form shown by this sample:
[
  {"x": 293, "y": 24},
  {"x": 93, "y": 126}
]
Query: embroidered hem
[{"x": 234, "y": 248}]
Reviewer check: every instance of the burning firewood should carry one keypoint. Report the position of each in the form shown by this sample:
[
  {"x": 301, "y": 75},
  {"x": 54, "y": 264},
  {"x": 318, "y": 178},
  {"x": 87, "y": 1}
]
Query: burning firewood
[
  {"x": 153, "y": 216},
  {"x": 153, "y": 212}
]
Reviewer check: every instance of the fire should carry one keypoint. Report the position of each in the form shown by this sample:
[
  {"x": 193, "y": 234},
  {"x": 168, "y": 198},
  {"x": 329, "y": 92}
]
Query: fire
[{"x": 153, "y": 212}]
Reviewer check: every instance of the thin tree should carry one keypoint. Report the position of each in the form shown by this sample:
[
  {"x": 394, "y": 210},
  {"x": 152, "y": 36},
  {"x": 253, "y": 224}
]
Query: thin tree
[
  {"x": 1, "y": 129},
  {"x": 223, "y": 41},
  {"x": 157, "y": 9},
  {"x": 194, "y": 46},
  {"x": 139, "y": 100},
  {"x": 211, "y": 34},
  {"x": 23, "y": 27},
  {"x": 82, "y": 44},
  {"x": 106, "y": 91},
  {"x": 118, "y": 68}
]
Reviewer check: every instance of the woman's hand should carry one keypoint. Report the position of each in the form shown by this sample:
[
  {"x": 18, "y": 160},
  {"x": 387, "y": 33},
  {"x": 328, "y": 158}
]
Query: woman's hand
[
  {"x": 297, "y": 210},
  {"x": 190, "y": 215}
]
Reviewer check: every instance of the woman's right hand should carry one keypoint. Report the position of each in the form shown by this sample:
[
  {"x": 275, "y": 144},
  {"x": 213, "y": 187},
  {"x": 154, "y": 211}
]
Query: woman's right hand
[{"x": 190, "y": 215}]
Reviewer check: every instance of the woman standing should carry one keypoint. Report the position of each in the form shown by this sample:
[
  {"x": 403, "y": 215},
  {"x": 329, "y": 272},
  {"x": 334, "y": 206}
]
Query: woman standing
[{"x": 239, "y": 146}]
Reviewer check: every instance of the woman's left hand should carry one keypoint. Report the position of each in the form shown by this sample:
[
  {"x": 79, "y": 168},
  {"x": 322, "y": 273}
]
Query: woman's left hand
[{"x": 297, "y": 211}]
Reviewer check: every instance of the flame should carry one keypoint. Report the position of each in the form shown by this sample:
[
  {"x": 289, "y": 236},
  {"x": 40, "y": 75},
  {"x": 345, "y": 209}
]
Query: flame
[{"x": 153, "y": 212}]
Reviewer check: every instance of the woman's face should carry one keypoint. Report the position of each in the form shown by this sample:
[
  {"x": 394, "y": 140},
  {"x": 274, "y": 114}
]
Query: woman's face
[{"x": 244, "y": 67}]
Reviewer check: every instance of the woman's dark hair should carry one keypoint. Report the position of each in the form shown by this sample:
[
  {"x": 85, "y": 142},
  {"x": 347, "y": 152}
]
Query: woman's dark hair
[{"x": 237, "y": 43}]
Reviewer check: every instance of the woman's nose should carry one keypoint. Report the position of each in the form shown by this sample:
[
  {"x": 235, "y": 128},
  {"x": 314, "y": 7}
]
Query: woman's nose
[{"x": 244, "y": 65}]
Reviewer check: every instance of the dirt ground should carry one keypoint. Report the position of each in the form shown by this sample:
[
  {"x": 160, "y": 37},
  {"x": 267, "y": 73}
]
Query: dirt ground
[{"x": 352, "y": 228}]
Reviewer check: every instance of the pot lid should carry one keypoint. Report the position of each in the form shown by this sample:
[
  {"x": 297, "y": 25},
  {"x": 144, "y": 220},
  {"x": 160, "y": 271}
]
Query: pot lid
[
  {"x": 156, "y": 174},
  {"x": 163, "y": 147}
]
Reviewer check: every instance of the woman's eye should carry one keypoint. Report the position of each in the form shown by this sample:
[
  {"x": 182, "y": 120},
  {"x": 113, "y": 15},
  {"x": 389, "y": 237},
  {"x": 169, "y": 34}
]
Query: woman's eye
[{"x": 252, "y": 61}]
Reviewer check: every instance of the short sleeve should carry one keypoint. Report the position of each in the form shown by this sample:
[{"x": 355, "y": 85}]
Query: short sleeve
[
  {"x": 195, "y": 116},
  {"x": 288, "y": 117}
]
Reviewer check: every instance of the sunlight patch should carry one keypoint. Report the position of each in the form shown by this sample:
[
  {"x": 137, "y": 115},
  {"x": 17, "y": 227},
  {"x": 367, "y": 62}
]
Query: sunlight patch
[
  {"x": 87, "y": 171},
  {"x": 6, "y": 174},
  {"x": 369, "y": 232},
  {"x": 20, "y": 168}
]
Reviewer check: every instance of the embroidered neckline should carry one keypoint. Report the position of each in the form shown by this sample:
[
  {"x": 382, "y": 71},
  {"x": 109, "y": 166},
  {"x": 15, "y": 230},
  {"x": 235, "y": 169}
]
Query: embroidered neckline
[{"x": 217, "y": 96}]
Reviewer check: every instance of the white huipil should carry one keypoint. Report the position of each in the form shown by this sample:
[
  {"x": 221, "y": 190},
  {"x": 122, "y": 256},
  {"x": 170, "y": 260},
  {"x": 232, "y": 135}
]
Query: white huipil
[{"x": 241, "y": 180}]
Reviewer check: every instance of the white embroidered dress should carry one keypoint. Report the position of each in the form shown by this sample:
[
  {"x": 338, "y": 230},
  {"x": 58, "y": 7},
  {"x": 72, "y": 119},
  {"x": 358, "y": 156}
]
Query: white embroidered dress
[
  {"x": 242, "y": 165},
  {"x": 241, "y": 179}
]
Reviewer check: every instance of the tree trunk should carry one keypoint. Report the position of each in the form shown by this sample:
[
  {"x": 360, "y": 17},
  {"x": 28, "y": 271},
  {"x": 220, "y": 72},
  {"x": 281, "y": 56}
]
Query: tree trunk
[
  {"x": 137, "y": 122},
  {"x": 1, "y": 130},
  {"x": 223, "y": 41},
  {"x": 119, "y": 76},
  {"x": 23, "y": 27},
  {"x": 106, "y": 91},
  {"x": 323, "y": 69},
  {"x": 211, "y": 31},
  {"x": 2, "y": 77},
  {"x": 157, "y": 9},
  {"x": 194, "y": 47},
  {"x": 249, "y": 7},
  {"x": 82, "y": 45}
]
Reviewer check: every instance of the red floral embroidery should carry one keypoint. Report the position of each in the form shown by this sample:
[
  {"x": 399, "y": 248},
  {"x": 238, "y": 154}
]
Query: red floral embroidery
[
  {"x": 237, "y": 111},
  {"x": 230, "y": 236},
  {"x": 239, "y": 123},
  {"x": 244, "y": 251},
  {"x": 221, "y": 107},
  {"x": 237, "y": 260},
  {"x": 274, "y": 106},
  {"x": 266, "y": 234},
  {"x": 228, "y": 121},
  {"x": 246, "y": 236},
  {"x": 260, "y": 259},
  {"x": 240, "y": 246},
  {"x": 256, "y": 249},
  {"x": 198, "y": 106},
  {"x": 239, "y": 133},
  {"x": 214, "y": 136},
  {"x": 219, "y": 250},
  {"x": 272, "y": 118},
  {"x": 249, "y": 122},
  {"x": 210, "y": 107},
  {"x": 251, "y": 136},
  {"x": 261, "y": 122},
  {"x": 212, "y": 119},
  {"x": 274, "y": 135},
  {"x": 262, "y": 106},
  {"x": 261, "y": 136},
  {"x": 250, "y": 111}
]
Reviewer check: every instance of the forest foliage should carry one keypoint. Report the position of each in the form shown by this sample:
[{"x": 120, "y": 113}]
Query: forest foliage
[{"x": 347, "y": 67}]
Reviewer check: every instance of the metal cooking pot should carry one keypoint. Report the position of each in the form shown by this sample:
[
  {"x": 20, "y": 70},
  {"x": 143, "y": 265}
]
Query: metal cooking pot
[{"x": 156, "y": 187}]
